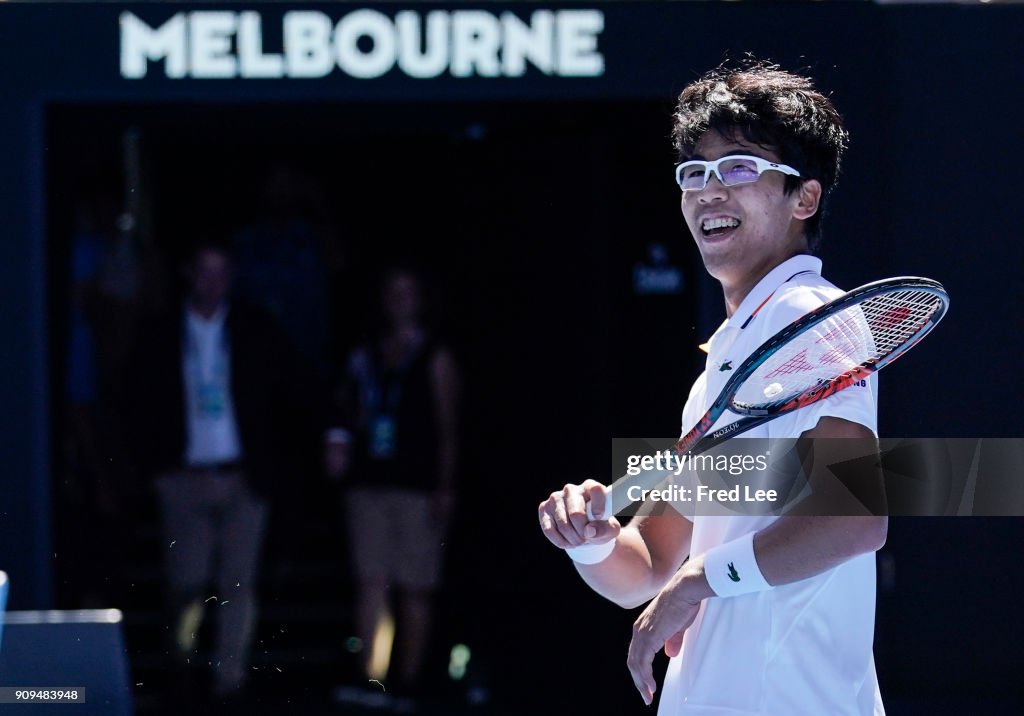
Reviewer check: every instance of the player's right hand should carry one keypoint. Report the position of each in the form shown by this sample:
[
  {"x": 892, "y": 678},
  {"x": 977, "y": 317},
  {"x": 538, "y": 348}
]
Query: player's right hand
[{"x": 563, "y": 516}]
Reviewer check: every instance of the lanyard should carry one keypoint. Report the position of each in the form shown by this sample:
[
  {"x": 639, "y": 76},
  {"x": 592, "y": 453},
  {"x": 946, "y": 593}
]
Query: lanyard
[
  {"x": 383, "y": 398},
  {"x": 216, "y": 368}
]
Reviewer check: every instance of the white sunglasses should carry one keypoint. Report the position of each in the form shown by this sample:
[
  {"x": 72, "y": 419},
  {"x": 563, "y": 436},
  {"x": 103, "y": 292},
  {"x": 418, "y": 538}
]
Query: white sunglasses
[{"x": 731, "y": 171}]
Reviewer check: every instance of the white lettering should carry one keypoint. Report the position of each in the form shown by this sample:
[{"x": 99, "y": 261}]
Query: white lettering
[
  {"x": 251, "y": 60},
  {"x": 534, "y": 42},
  {"x": 413, "y": 59},
  {"x": 709, "y": 494},
  {"x": 210, "y": 44},
  {"x": 140, "y": 43},
  {"x": 476, "y": 36},
  {"x": 759, "y": 495},
  {"x": 377, "y": 27},
  {"x": 307, "y": 44},
  {"x": 631, "y": 465},
  {"x": 366, "y": 44},
  {"x": 577, "y": 43}
]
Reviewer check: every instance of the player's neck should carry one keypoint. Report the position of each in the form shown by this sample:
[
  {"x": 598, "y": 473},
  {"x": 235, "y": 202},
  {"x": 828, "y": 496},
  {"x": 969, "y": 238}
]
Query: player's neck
[
  {"x": 736, "y": 292},
  {"x": 736, "y": 289}
]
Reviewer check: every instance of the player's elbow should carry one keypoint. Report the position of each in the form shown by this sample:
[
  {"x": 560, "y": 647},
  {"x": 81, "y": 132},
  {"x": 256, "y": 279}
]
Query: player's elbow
[
  {"x": 631, "y": 602},
  {"x": 633, "y": 597},
  {"x": 639, "y": 597},
  {"x": 623, "y": 593},
  {"x": 870, "y": 533}
]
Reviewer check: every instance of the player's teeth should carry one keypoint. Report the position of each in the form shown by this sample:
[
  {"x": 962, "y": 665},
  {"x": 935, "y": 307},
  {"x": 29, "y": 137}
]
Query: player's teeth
[{"x": 719, "y": 223}]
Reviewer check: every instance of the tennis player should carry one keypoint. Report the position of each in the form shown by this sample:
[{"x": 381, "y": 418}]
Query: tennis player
[{"x": 761, "y": 615}]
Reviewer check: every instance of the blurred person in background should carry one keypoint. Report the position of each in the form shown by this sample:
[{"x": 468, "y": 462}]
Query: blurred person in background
[
  {"x": 289, "y": 259},
  {"x": 214, "y": 383},
  {"x": 399, "y": 399},
  {"x": 286, "y": 257},
  {"x": 87, "y": 495}
]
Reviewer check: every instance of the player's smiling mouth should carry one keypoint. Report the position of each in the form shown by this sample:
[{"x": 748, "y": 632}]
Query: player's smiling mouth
[{"x": 716, "y": 226}]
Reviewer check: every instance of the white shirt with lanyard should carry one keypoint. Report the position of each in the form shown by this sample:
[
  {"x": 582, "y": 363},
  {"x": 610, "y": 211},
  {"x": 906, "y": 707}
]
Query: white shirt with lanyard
[
  {"x": 801, "y": 648},
  {"x": 211, "y": 429}
]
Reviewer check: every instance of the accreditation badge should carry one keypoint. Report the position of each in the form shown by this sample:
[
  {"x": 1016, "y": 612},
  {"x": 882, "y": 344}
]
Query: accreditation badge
[
  {"x": 212, "y": 401},
  {"x": 383, "y": 437}
]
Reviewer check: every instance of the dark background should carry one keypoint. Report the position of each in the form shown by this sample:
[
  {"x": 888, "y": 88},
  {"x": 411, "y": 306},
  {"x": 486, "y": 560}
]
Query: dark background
[{"x": 530, "y": 200}]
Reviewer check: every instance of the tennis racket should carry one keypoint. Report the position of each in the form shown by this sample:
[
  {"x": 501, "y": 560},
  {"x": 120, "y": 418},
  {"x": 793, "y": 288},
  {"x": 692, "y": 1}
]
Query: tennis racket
[{"x": 823, "y": 352}]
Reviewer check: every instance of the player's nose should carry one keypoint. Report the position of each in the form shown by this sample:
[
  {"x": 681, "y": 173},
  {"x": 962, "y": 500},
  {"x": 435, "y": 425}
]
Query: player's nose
[{"x": 713, "y": 191}]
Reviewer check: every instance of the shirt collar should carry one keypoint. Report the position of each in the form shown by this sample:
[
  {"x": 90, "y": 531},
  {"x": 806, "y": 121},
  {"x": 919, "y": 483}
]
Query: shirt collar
[
  {"x": 759, "y": 295},
  {"x": 214, "y": 321}
]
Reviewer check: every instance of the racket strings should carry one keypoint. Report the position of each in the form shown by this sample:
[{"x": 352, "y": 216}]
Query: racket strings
[
  {"x": 860, "y": 335},
  {"x": 797, "y": 364},
  {"x": 895, "y": 317}
]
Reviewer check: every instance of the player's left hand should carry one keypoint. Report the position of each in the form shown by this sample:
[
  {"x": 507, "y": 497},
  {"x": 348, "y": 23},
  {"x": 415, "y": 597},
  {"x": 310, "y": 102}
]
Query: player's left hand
[{"x": 663, "y": 622}]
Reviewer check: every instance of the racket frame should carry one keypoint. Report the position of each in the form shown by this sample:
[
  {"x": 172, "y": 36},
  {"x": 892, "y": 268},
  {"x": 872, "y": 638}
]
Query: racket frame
[{"x": 701, "y": 438}]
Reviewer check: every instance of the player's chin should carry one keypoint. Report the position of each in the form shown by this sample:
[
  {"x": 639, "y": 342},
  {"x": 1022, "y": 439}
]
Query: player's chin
[
  {"x": 718, "y": 252},
  {"x": 722, "y": 261}
]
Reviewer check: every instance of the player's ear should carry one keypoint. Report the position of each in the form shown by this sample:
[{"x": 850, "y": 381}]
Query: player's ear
[{"x": 808, "y": 199}]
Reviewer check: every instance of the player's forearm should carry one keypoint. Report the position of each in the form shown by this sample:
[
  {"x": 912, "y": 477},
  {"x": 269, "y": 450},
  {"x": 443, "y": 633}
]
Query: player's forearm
[
  {"x": 628, "y": 575},
  {"x": 798, "y": 547},
  {"x": 795, "y": 548}
]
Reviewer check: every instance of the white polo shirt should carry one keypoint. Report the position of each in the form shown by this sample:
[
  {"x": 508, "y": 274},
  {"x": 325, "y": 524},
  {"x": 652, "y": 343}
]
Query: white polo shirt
[{"x": 800, "y": 648}]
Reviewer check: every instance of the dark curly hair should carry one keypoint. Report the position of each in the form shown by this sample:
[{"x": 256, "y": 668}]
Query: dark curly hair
[{"x": 774, "y": 109}]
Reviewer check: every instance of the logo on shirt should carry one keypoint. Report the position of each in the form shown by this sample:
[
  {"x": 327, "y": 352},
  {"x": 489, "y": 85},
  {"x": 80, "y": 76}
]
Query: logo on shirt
[
  {"x": 726, "y": 365},
  {"x": 733, "y": 574}
]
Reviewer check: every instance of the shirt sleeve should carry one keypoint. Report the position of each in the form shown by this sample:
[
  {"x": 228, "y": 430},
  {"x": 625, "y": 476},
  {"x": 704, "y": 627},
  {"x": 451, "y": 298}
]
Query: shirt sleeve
[{"x": 857, "y": 403}]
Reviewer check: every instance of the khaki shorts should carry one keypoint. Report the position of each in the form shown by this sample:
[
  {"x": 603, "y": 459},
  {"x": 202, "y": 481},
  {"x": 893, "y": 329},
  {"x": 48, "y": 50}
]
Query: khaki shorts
[{"x": 395, "y": 537}]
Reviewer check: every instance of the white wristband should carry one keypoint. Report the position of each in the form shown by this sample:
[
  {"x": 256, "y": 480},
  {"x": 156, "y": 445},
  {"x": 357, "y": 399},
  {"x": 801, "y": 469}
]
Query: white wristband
[
  {"x": 591, "y": 553},
  {"x": 731, "y": 568}
]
